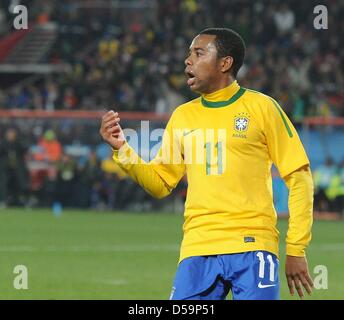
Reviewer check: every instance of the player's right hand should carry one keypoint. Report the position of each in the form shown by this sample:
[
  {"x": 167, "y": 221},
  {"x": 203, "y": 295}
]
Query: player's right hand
[
  {"x": 296, "y": 270},
  {"x": 111, "y": 131}
]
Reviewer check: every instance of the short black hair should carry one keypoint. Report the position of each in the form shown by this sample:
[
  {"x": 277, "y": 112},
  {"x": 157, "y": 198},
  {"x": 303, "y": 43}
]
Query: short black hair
[{"x": 228, "y": 43}]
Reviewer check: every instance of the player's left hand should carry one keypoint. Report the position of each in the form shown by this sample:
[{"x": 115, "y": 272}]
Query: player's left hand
[{"x": 296, "y": 270}]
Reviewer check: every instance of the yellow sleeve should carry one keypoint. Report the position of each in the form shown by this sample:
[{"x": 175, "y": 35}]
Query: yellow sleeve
[
  {"x": 285, "y": 147},
  {"x": 161, "y": 175},
  {"x": 300, "y": 185}
]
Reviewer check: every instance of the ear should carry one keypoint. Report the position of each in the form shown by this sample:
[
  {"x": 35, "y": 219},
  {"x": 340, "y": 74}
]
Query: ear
[{"x": 226, "y": 64}]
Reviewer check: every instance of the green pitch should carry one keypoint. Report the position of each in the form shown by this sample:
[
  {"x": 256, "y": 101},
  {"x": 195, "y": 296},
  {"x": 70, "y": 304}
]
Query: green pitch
[{"x": 91, "y": 255}]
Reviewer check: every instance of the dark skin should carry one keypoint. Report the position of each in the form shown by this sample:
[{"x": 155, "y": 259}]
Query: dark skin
[
  {"x": 296, "y": 271},
  {"x": 206, "y": 74}
]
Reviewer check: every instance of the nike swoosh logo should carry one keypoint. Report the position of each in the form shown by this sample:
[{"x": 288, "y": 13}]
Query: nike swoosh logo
[
  {"x": 188, "y": 132},
  {"x": 262, "y": 286}
]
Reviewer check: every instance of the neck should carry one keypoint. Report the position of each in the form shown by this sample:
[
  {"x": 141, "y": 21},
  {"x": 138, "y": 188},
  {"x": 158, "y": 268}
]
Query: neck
[
  {"x": 223, "y": 97},
  {"x": 222, "y": 83}
]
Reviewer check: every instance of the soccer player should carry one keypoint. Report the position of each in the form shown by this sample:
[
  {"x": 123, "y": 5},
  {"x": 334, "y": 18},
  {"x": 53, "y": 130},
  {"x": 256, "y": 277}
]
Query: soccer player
[{"x": 230, "y": 238}]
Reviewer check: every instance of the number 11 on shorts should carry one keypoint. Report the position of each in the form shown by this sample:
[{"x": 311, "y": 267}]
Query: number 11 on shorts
[{"x": 261, "y": 272}]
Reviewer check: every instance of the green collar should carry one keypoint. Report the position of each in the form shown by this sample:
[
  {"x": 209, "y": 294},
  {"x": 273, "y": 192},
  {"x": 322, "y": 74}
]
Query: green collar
[{"x": 219, "y": 104}]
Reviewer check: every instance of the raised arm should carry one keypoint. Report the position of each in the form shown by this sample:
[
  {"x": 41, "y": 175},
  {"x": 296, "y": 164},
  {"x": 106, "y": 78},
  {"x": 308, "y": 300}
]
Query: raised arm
[{"x": 158, "y": 177}]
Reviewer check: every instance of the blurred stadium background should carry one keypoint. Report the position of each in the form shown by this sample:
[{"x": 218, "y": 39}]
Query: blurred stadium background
[{"x": 67, "y": 212}]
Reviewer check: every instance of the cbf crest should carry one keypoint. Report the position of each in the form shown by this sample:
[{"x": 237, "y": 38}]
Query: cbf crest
[{"x": 241, "y": 122}]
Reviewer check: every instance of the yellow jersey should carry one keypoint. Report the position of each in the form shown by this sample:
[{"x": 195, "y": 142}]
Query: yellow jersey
[{"x": 225, "y": 142}]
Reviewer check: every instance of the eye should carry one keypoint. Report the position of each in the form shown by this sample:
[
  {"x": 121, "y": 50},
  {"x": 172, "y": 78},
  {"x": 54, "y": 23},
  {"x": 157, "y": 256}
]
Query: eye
[{"x": 198, "y": 53}]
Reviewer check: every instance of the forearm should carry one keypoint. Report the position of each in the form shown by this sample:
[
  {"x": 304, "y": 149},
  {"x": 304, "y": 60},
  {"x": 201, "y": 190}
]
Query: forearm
[
  {"x": 141, "y": 172},
  {"x": 300, "y": 185}
]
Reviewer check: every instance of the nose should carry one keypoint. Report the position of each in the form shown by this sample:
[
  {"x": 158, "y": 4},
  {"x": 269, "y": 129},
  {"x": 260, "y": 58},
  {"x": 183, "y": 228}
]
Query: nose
[{"x": 188, "y": 61}]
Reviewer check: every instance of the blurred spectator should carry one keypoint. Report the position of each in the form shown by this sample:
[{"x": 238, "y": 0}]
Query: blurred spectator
[
  {"x": 107, "y": 192},
  {"x": 323, "y": 176},
  {"x": 49, "y": 148},
  {"x": 48, "y": 192},
  {"x": 51, "y": 94},
  {"x": 69, "y": 99},
  {"x": 13, "y": 171},
  {"x": 335, "y": 190},
  {"x": 66, "y": 179},
  {"x": 108, "y": 49},
  {"x": 284, "y": 19},
  {"x": 36, "y": 98},
  {"x": 88, "y": 175}
]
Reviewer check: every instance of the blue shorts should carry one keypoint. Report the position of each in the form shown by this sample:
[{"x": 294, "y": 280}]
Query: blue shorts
[{"x": 250, "y": 276}]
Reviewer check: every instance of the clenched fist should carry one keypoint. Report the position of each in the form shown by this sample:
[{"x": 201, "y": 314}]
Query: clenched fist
[{"x": 111, "y": 131}]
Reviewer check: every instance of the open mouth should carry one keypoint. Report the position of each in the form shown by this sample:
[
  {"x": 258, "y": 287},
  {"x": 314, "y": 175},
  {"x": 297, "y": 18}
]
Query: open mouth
[{"x": 191, "y": 79}]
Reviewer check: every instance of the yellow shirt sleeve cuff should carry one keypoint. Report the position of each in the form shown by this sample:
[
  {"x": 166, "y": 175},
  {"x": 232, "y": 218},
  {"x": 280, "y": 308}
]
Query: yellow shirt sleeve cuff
[
  {"x": 117, "y": 152},
  {"x": 125, "y": 155},
  {"x": 295, "y": 250}
]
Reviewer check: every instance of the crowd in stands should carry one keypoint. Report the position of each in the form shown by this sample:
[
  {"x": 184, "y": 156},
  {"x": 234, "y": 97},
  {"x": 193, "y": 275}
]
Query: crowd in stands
[
  {"x": 134, "y": 59},
  {"x": 43, "y": 172}
]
